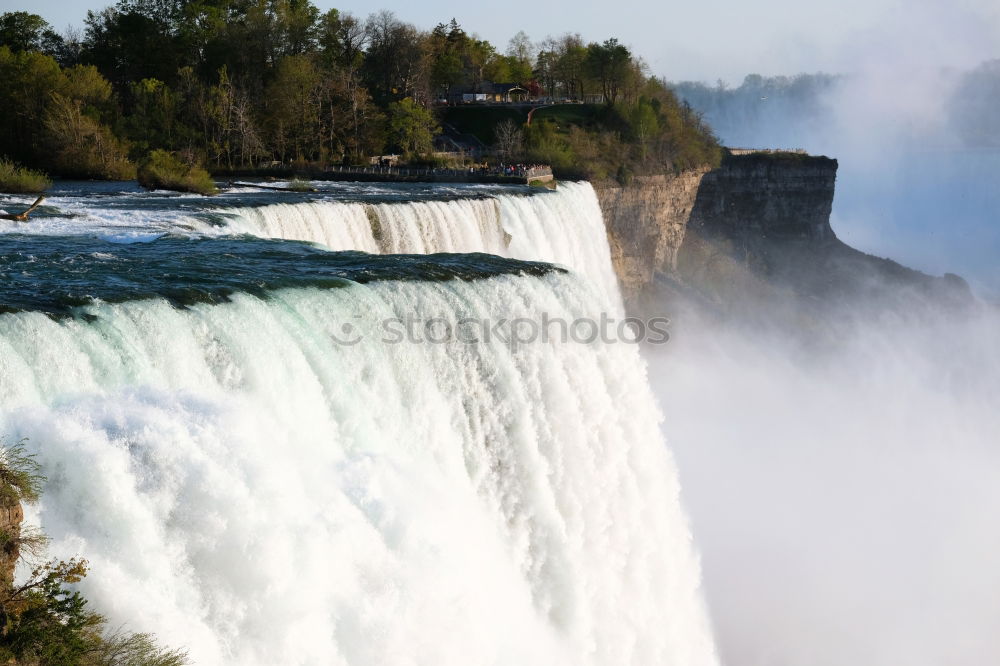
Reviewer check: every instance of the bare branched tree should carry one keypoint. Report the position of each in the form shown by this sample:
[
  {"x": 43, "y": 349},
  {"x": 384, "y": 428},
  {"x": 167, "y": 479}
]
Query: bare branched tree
[{"x": 510, "y": 139}]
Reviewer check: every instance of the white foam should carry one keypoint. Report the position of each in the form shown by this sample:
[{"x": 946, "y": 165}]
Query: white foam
[{"x": 247, "y": 488}]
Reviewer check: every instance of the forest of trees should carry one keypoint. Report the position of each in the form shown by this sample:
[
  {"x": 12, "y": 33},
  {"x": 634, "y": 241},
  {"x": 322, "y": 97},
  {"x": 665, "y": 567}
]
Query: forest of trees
[{"x": 242, "y": 83}]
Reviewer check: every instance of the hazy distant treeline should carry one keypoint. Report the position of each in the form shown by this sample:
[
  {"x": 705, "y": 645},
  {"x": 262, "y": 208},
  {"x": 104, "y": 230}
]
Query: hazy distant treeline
[
  {"x": 777, "y": 101},
  {"x": 805, "y": 105},
  {"x": 243, "y": 82}
]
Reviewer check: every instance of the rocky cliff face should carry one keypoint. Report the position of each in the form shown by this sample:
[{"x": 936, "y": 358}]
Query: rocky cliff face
[
  {"x": 776, "y": 196},
  {"x": 11, "y": 517},
  {"x": 646, "y": 224},
  {"x": 754, "y": 231}
]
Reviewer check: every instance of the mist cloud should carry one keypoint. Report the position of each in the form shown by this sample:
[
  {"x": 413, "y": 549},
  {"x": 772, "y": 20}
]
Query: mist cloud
[{"x": 845, "y": 500}]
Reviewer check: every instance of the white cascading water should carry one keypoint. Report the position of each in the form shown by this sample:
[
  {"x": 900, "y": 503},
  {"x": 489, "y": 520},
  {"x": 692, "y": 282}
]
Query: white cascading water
[
  {"x": 564, "y": 227},
  {"x": 248, "y": 488},
  {"x": 304, "y": 221}
]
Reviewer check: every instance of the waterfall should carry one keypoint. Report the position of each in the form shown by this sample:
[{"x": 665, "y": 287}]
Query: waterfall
[
  {"x": 305, "y": 221},
  {"x": 247, "y": 486},
  {"x": 563, "y": 227},
  {"x": 257, "y": 473}
]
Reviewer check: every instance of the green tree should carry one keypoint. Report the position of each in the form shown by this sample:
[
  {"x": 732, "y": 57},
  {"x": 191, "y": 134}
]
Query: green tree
[
  {"x": 394, "y": 62},
  {"x": 608, "y": 63},
  {"x": 293, "y": 108},
  {"x": 412, "y": 127},
  {"x": 447, "y": 72},
  {"x": 23, "y": 31},
  {"x": 297, "y": 26},
  {"x": 229, "y": 83},
  {"x": 521, "y": 49},
  {"x": 351, "y": 123},
  {"x": 643, "y": 123},
  {"x": 86, "y": 85},
  {"x": 28, "y": 80},
  {"x": 80, "y": 146},
  {"x": 153, "y": 116},
  {"x": 341, "y": 39},
  {"x": 77, "y": 125},
  {"x": 134, "y": 40},
  {"x": 546, "y": 144},
  {"x": 571, "y": 66},
  {"x": 457, "y": 60}
]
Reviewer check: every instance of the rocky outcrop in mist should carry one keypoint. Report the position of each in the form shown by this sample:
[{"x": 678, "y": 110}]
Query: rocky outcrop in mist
[{"x": 751, "y": 235}]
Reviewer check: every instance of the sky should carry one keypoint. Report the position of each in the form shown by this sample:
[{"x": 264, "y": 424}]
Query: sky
[{"x": 705, "y": 40}]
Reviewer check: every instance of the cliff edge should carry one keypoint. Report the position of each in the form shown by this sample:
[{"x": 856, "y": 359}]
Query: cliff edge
[{"x": 752, "y": 235}]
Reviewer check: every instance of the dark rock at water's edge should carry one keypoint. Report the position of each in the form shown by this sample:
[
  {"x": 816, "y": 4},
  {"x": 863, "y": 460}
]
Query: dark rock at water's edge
[{"x": 11, "y": 517}]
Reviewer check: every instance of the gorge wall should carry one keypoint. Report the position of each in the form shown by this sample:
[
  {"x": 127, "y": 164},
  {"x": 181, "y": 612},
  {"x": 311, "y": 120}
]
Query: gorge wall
[
  {"x": 779, "y": 195},
  {"x": 646, "y": 223},
  {"x": 756, "y": 228}
]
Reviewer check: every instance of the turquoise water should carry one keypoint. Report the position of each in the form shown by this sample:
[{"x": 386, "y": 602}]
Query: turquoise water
[{"x": 58, "y": 273}]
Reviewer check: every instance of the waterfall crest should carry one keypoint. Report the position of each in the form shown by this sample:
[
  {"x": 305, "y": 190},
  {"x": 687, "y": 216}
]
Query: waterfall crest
[{"x": 564, "y": 227}]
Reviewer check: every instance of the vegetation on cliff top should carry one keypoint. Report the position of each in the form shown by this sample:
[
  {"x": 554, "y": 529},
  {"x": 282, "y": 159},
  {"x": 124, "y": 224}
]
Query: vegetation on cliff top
[
  {"x": 777, "y": 157},
  {"x": 238, "y": 85},
  {"x": 653, "y": 135},
  {"x": 43, "y": 620}
]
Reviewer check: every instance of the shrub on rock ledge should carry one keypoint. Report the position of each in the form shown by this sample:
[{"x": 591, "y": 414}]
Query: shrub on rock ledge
[
  {"x": 15, "y": 179},
  {"x": 164, "y": 171}
]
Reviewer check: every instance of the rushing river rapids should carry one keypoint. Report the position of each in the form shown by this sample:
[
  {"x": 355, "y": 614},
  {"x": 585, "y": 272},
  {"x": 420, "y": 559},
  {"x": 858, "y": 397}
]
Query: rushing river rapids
[{"x": 248, "y": 486}]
